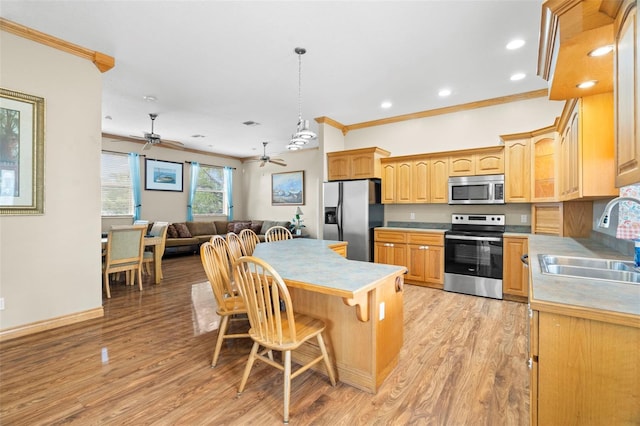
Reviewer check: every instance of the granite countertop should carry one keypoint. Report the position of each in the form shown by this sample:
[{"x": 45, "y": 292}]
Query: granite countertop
[
  {"x": 549, "y": 291},
  {"x": 312, "y": 262}
]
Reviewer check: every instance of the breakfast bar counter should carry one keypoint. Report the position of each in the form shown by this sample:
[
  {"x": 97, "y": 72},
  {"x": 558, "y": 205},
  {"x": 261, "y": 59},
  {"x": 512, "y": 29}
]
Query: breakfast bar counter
[{"x": 360, "y": 303}]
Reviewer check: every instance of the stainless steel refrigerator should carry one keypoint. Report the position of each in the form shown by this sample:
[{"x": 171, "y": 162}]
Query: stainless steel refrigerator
[{"x": 351, "y": 210}]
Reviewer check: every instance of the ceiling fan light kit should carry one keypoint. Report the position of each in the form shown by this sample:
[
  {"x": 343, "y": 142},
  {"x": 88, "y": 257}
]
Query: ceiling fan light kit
[{"x": 303, "y": 135}]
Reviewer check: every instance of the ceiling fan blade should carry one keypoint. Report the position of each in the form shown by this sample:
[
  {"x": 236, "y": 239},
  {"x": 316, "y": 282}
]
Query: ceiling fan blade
[
  {"x": 174, "y": 144},
  {"x": 147, "y": 146},
  {"x": 263, "y": 163},
  {"x": 277, "y": 162}
]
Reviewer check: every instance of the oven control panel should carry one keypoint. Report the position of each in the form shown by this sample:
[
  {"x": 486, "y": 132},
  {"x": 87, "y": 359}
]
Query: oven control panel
[{"x": 477, "y": 219}]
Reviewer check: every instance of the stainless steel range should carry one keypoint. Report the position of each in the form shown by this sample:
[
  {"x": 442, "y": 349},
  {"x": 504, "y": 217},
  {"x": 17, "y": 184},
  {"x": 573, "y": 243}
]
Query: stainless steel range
[{"x": 473, "y": 254}]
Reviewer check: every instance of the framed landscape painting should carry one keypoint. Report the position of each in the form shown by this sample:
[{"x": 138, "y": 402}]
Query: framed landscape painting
[
  {"x": 287, "y": 189},
  {"x": 163, "y": 175},
  {"x": 21, "y": 153}
]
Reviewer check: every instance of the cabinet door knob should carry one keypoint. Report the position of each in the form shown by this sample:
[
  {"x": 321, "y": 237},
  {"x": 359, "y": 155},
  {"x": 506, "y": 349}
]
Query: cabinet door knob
[{"x": 424, "y": 247}]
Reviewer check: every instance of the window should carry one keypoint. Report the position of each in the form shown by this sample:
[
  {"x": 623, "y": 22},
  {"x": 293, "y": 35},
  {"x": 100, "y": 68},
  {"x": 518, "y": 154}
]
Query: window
[
  {"x": 210, "y": 193},
  {"x": 117, "y": 189}
]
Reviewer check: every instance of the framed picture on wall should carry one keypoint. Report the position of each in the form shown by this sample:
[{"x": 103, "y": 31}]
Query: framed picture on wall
[
  {"x": 287, "y": 189},
  {"x": 162, "y": 175},
  {"x": 21, "y": 153}
]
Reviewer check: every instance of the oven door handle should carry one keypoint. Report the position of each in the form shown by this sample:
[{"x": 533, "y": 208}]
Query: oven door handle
[{"x": 471, "y": 238}]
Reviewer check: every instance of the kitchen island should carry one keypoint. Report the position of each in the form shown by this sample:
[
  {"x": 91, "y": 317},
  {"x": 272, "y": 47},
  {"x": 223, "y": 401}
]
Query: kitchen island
[{"x": 360, "y": 302}]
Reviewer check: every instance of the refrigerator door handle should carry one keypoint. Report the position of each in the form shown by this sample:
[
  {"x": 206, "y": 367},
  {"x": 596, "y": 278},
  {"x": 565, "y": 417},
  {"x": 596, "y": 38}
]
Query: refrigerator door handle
[{"x": 339, "y": 212}]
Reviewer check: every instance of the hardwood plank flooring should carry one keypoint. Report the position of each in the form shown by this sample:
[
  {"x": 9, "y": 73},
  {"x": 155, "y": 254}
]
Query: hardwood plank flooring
[{"x": 147, "y": 362}]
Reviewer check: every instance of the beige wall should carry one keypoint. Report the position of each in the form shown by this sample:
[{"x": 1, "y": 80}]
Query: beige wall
[
  {"x": 50, "y": 263},
  {"x": 170, "y": 206},
  {"x": 257, "y": 188}
]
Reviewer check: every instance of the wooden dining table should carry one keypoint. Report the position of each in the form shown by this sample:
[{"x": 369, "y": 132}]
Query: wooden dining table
[{"x": 154, "y": 243}]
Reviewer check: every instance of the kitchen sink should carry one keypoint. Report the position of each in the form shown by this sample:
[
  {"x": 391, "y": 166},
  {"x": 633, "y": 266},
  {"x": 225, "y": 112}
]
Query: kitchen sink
[{"x": 590, "y": 268}]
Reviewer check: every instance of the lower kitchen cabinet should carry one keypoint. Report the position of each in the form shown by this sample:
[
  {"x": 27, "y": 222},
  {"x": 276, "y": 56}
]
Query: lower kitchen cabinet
[
  {"x": 583, "y": 371},
  {"x": 425, "y": 257},
  {"x": 515, "y": 276},
  {"x": 422, "y": 253},
  {"x": 390, "y": 247}
]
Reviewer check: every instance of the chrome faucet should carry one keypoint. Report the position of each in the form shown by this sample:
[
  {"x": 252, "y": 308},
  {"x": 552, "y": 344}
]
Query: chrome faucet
[{"x": 603, "y": 222}]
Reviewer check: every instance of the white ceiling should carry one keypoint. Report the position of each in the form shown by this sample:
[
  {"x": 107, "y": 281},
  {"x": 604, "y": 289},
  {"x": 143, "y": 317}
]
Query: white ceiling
[{"x": 214, "y": 64}]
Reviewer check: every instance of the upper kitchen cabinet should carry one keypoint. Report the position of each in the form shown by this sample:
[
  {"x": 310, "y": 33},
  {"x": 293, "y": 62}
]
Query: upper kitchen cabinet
[
  {"x": 481, "y": 161},
  {"x": 586, "y": 149},
  {"x": 517, "y": 174},
  {"x": 414, "y": 179},
  {"x": 361, "y": 163},
  {"x": 626, "y": 86},
  {"x": 570, "y": 30},
  {"x": 544, "y": 168}
]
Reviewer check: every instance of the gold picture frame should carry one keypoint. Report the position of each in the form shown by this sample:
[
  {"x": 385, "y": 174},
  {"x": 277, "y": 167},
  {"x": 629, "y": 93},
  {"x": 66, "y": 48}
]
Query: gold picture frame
[{"x": 21, "y": 153}]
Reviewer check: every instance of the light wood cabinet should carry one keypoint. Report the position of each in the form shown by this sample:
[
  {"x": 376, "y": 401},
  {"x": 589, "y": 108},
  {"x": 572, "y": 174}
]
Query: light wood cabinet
[
  {"x": 485, "y": 161},
  {"x": 517, "y": 176},
  {"x": 587, "y": 149},
  {"x": 414, "y": 180},
  {"x": 515, "y": 275},
  {"x": 425, "y": 257},
  {"x": 439, "y": 176},
  {"x": 544, "y": 168},
  {"x": 626, "y": 86},
  {"x": 566, "y": 219},
  {"x": 388, "y": 187},
  {"x": 361, "y": 163},
  {"x": 583, "y": 371},
  {"x": 422, "y": 253},
  {"x": 390, "y": 247}
]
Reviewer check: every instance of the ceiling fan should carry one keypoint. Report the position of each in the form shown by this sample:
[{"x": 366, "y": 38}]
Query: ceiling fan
[
  {"x": 154, "y": 138},
  {"x": 264, "y": 158}
]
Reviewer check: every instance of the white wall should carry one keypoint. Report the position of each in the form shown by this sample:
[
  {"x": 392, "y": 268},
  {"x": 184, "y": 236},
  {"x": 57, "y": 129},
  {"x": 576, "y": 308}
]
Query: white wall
[
  {"x": 472, "y": 128},
  {"x": 170, "y": 206},
  {"x": 50, "y": 263}
]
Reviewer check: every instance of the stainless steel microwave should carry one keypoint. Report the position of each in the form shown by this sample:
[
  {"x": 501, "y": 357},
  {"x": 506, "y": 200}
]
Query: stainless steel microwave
[{"x": 487, "y": 189}]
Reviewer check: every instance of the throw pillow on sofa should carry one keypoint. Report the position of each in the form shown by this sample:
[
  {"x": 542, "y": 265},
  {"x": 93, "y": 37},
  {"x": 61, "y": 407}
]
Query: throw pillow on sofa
[
  {"x": 201, "y": 228},
  {"x": 266, "y": 225},
  {"x": 256, "y": 226},
  {"x": 183, "y": 231},
  {"x": 238, "y": 226},
  {"x": 172, "y": 232}
]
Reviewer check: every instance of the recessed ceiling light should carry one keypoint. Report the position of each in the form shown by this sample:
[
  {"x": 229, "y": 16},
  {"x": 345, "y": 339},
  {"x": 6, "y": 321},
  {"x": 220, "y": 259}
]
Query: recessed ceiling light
[
  {"x": 518, "y": 76},
  {"x": 386, "y": 104},
  {"x": 587, "y": 84},
  {"x": 515, "y": 44},
  {"x": 602, "y": 50},
  {"x": 149, "y": 98},
  {"x": 444, "y": 92}
]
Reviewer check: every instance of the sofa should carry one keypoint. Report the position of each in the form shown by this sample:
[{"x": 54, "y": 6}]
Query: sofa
[{"x": 186, "y": 237}]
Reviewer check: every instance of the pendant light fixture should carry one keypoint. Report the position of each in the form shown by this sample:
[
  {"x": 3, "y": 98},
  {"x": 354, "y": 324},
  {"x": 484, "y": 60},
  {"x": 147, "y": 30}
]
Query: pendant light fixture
[{"x": 303, "y": 135}]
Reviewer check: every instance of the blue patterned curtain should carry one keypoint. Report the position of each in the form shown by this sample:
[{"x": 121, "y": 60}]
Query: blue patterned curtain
[
  {"x": 228, "y": 178},
  {"x": 134, "y": 170},
  {"x": 195, "y": 167}
]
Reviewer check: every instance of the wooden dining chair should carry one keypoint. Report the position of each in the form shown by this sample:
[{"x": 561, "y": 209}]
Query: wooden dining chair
[
  {"x": 250, "y": 240},
  {"x": 275, "y": 327},
  {"x": 277, "y": 233},
  {"x": 236, "y": 248},
  {"x": 215, "y": 260},
  {"x": 125, "y": 245},
  {"x": 159, "y": 229}
]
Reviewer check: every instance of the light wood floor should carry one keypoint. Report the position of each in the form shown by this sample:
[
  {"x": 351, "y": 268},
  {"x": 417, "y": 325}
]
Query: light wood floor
[{"x": 148, "y": 362}]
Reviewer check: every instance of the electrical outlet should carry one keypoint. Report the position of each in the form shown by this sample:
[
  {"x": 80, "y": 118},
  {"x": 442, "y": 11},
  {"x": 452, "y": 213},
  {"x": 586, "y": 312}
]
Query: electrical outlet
[
  {"x": 524, "y": 218},
  {"x": 1, "y": 303},
  {"x": 412, "y": 215},
  {"x": 381, "y": 311}
]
